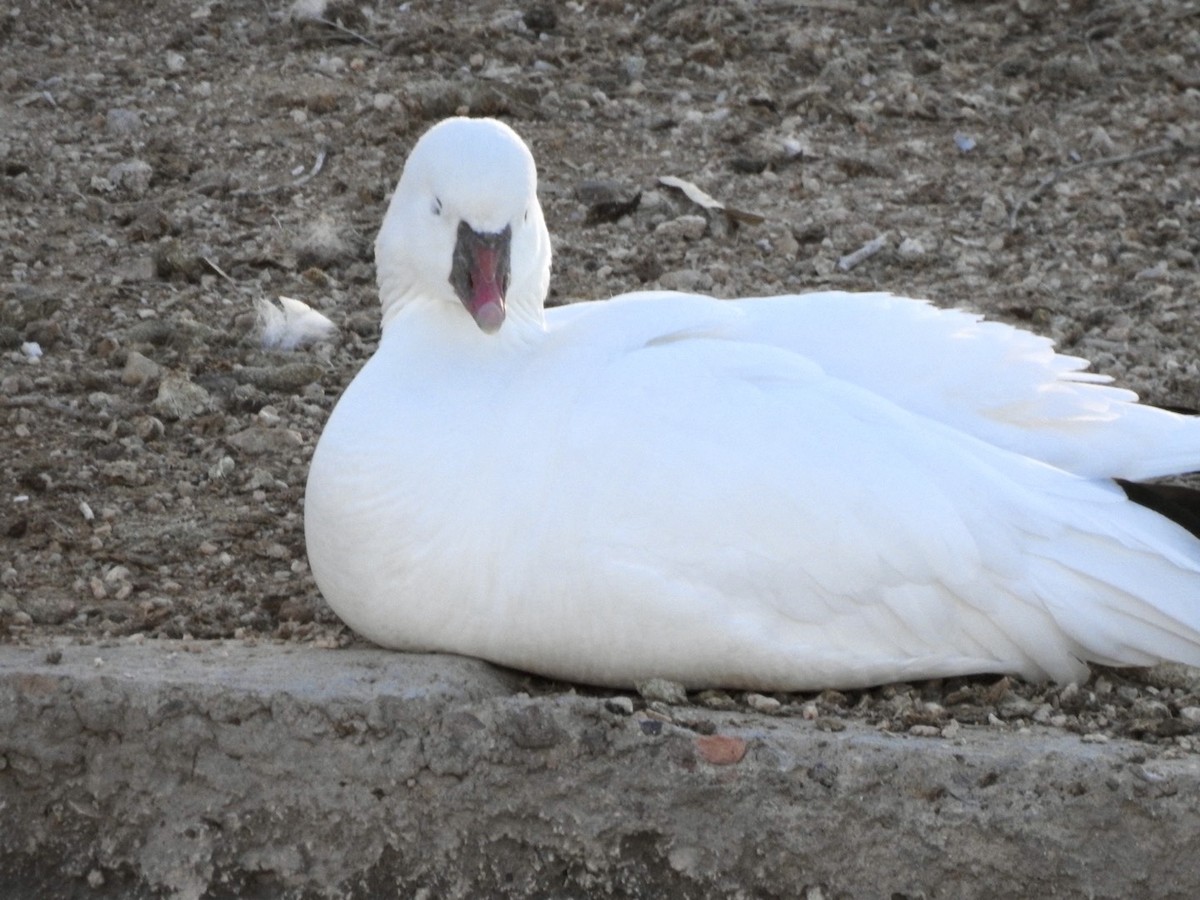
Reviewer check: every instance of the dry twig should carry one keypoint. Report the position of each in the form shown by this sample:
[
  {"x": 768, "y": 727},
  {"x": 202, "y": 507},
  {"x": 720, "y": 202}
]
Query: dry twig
[
  {"x": 1053, "y": 177},
  {"x": 342, "y": 28}
]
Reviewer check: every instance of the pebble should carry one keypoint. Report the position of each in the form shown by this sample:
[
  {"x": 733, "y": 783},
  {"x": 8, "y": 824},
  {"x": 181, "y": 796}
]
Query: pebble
[
  {"x": 180, "y": 398},
  {"x": 910, "y": 248},
  {"x": 622, "y": 706},
  {"x": 721, "y": 749},
  {"x": 662, "y": 690},
  {"x": 139, "y": 369},
  {"x": 993, "y": 210},
  {"x": 148, "y": 427},
  {"x": 122, "y": 121},
  {"x": 763, "y": 704},
  {"x": 288, "y": 378},
  {"x": 688, "y": 280},
  {"x": 688, "y": 228},
  {"x": 1190, "y": 714},
  {"x": 131, "y": 177},
  {"x": 257, "y": 440}
]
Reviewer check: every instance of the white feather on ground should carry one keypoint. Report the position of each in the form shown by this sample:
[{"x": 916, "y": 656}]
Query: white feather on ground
[{"x": 292, "y": 324}]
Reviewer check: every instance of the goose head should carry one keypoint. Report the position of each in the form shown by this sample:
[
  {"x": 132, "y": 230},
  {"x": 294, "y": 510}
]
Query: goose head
[{"x": 464, "y": 232}]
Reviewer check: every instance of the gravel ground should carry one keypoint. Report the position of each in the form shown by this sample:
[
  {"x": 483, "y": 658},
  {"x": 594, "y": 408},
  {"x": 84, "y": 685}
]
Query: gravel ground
[{"x": 165, "y": 166}]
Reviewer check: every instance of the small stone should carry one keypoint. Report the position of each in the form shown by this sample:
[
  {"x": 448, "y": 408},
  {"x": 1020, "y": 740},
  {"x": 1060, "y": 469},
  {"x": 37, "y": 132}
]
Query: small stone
[
  {"x": 132, "y": 177},
  {"x": 286, "y": 378},
  {"x": 148, "y": 427},
  {"x": 139, "y": 369},
  {"x": 533, "y": 728},
  {"x": 688, "y": 228},
  {"x": 176, "y": 62},
  {"x": 993, "y": 210},
  {"x": 721, "y": 749},
  {"x": 180, "y": 398},
  {"x": 910, "y": 248},
  {"x": 1095, "y": 738},
  {"x": 221, "y": 468},
  {"x": 687, "y": 280},
  {"x": 662, "y": 690},
  {"x": 951, "y": 729},
  {"x": 1190, "y": 714},
  {"x": 716, "y": 700},
  {"x": 622, "y": 706},
  {"x": 257, "y": 440},
  {"x": 763, "y": 703},
  {"x": 925, "y": 731},
  {"x": 122, "y": 121}
]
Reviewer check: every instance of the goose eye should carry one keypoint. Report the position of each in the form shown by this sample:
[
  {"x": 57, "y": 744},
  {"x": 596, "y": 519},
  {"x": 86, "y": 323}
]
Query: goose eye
[{"x": 437, "y": 206}]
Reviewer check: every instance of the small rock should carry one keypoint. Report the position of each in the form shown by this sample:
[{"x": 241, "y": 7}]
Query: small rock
[
  {"x": 687, "y": 280},
  {"x": 993, "y": 210},
  {"x": 173, "y": 261},
  {"x": 257, "y": 440},
  {"x": 540, "y": 19},
  {"x": 662, "y": 690},
  {"x": 763, "y": 703},
  {"x": 622, "y": 706},
  {"x": 139, "y": 369},
  {"x": 925, "y": 731},
  {"x": 533, "y": 728},
  {"x": 148, "y": 427},
  {"x": 716, "y": 700},
  {"x": 721, "y": 749},
  {"x": 599, "y": 190},
  {"x": 688, "y": 228},
  {"x": 910, "y": 248},
  {"x": 122, "y": 121},
  {"x": 221, "y": 468},
  {"x": 1154, "y": 273},
  {"x": 179, "y": 398},
  {"x": 287, "y": 378},
  {"x": 131, "y": 177},
  {"x": 1190, "y": 714}
]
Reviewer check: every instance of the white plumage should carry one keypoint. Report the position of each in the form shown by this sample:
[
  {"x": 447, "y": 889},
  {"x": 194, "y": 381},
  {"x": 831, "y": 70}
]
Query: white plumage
[
  {"x": 291, "y": 324},
  {"x": 825, "y": 490}
]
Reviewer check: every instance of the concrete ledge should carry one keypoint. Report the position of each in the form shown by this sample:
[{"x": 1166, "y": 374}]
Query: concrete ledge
[{"x": 222, "y": 770}]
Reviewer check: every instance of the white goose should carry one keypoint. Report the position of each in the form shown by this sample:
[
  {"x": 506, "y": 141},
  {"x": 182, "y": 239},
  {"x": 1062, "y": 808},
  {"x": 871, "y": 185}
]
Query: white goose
[{"x": 826, "y": 490}]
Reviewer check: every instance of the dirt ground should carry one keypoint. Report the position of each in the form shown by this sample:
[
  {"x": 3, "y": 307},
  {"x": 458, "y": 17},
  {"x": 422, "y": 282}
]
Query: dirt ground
[{"x": 164, "y": 166}]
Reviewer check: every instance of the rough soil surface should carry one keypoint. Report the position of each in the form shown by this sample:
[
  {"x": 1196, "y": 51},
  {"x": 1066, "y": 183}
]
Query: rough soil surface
[{"x": 165, "y": 166}]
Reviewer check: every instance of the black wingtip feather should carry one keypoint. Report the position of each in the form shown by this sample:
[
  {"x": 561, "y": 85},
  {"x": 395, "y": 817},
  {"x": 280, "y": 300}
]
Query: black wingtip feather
[{"x": 1179, "y": 504}]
